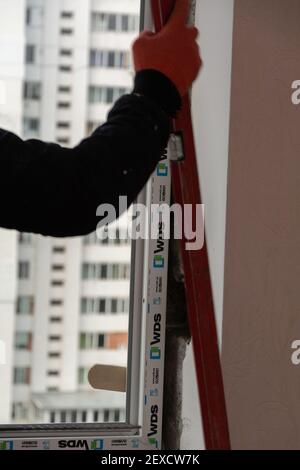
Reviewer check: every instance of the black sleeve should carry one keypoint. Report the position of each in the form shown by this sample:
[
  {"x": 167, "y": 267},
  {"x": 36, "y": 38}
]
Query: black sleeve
[{"x": 55, "y": 191}]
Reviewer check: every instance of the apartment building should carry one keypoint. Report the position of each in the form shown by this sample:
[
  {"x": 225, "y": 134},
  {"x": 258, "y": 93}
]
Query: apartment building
[{"x": 65, "y": 301}]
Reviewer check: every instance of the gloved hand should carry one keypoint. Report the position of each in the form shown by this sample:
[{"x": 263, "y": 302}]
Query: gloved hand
[{"x": 173, "y": 51}]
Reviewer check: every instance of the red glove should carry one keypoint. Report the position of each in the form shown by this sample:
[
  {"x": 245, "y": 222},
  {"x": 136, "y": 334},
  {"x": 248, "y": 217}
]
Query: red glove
[{"x": 173, "y": 51}]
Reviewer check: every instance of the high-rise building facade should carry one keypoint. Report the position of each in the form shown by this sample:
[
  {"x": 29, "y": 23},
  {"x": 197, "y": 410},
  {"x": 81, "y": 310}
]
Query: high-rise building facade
[{"x": 63, "y": 302}]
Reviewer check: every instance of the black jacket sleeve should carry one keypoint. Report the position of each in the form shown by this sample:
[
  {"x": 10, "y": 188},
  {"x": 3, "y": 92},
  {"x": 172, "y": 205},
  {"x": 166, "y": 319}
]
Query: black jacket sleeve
[{"x": 55, "y": 191}]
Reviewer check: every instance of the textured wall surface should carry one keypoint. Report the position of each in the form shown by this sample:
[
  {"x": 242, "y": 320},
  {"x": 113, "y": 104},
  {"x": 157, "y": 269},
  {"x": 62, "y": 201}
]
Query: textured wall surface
[{"x": 262, "y": 261}]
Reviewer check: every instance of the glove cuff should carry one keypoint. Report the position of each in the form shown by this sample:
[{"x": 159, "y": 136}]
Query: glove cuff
[{"x": 156, "y": 86}]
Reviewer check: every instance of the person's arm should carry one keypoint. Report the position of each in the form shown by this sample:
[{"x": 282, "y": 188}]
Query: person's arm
[{"x": 55, "y": 191}]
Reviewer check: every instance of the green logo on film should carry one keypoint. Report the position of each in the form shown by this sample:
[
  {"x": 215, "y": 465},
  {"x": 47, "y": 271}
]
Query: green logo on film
[
  {"x": 153, "y": 442},
  {"x": 158, "y": 261},
  {"x": 6, "y": 445},
  {"x": 162, "y": 169}
]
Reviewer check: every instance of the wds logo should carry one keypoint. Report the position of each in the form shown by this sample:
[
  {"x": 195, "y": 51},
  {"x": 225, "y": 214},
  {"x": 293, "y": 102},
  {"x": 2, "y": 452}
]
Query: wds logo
[
  {"x": 158, "y": 261},
  {"x": 155, "y": 350},
  {"x": 97, "y": 444},
  {"x": 153, "y": 425}
]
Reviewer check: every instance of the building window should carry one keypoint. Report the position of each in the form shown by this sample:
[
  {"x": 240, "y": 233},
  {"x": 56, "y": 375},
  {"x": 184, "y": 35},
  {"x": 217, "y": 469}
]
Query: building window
[
  {"x": 57, "y": 283},
  {"x": 99, "y": 21},
  {"x": 24, "y": 270},
  {"x": 31, "y": 125},
  {"x": 56, "y": 302},
  {"x": 63, "y": 140},
  {"x": 58, "y": 267},
  {"x": 32, "y": 90},
  {"x": 83, "y": 416},
  {"x": 63, "y": 125},
  {"x": 63, "y": 416},
  {"x": 114, "y": 306},
  {"x": 82, "y": 376},
  {"x": 52, "y": 416},
  {"x": 22, "y": 375},
  {"x": 96, "y": 416},
  {"x": 54, "y": 355},
  {"x": 53, "y": 373},
  {"x": 25, "y": 238},
  {"x": 34, "y": 16},
  {"x": 67, "y": 14},
  {"x": 104, "y": 305},
  {"x": 111, "y": 59},
  {"x": 65, "y": 68},
  {"x": 103, "y": 22},
  {"x": 92, "y": 340},
  {"x": 19, "y": 411},
  {"x": 25, "y": 305},
  {"x": 116, "y": 416},
  {"x": 102, "y": 271},
  {"x": 120, "y": 237},
  {"x": 28, "y": 16},
  {"x": 92, "y": 126},
  {"x": 54, "y": 338},
  {"x": 66, "y": 52},
  {"x": 59, "y": 249},
  {"x": 66, "y": 31},
  {"x": 106, "y": 95},
  {"x": 112, "y": 22},
  {"x": 105, "y": 271},
  {"x": 64, "y": 89},
  {"x": 106, "y": 416},
  {"x": 30, "y": 54},
  {"x": 23, "y": 340},
  {"x": 63, "y": 105},
  {"x": 55, "y": 319},
  {"x": 125, "y": 23},
  {"x": 100, "y": 341}
]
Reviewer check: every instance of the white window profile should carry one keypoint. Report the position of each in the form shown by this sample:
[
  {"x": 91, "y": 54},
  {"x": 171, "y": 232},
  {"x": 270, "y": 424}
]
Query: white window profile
[{"x": 142, "y": 427}]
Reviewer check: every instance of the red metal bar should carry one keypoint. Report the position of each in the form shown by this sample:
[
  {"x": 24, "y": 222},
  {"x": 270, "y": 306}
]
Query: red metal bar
[{"x": 186, "y": 190}]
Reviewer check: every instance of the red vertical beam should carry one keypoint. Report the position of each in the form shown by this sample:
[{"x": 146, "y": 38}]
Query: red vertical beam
[{"x": 186, "y": 190}]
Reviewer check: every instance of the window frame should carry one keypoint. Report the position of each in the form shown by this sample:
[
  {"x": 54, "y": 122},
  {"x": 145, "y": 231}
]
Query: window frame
[{"x": 144, "y": 398}]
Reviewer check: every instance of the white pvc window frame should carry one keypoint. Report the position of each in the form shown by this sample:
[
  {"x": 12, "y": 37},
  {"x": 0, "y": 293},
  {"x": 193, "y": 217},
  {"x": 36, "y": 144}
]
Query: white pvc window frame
[{"x": 145, "y": 368}]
